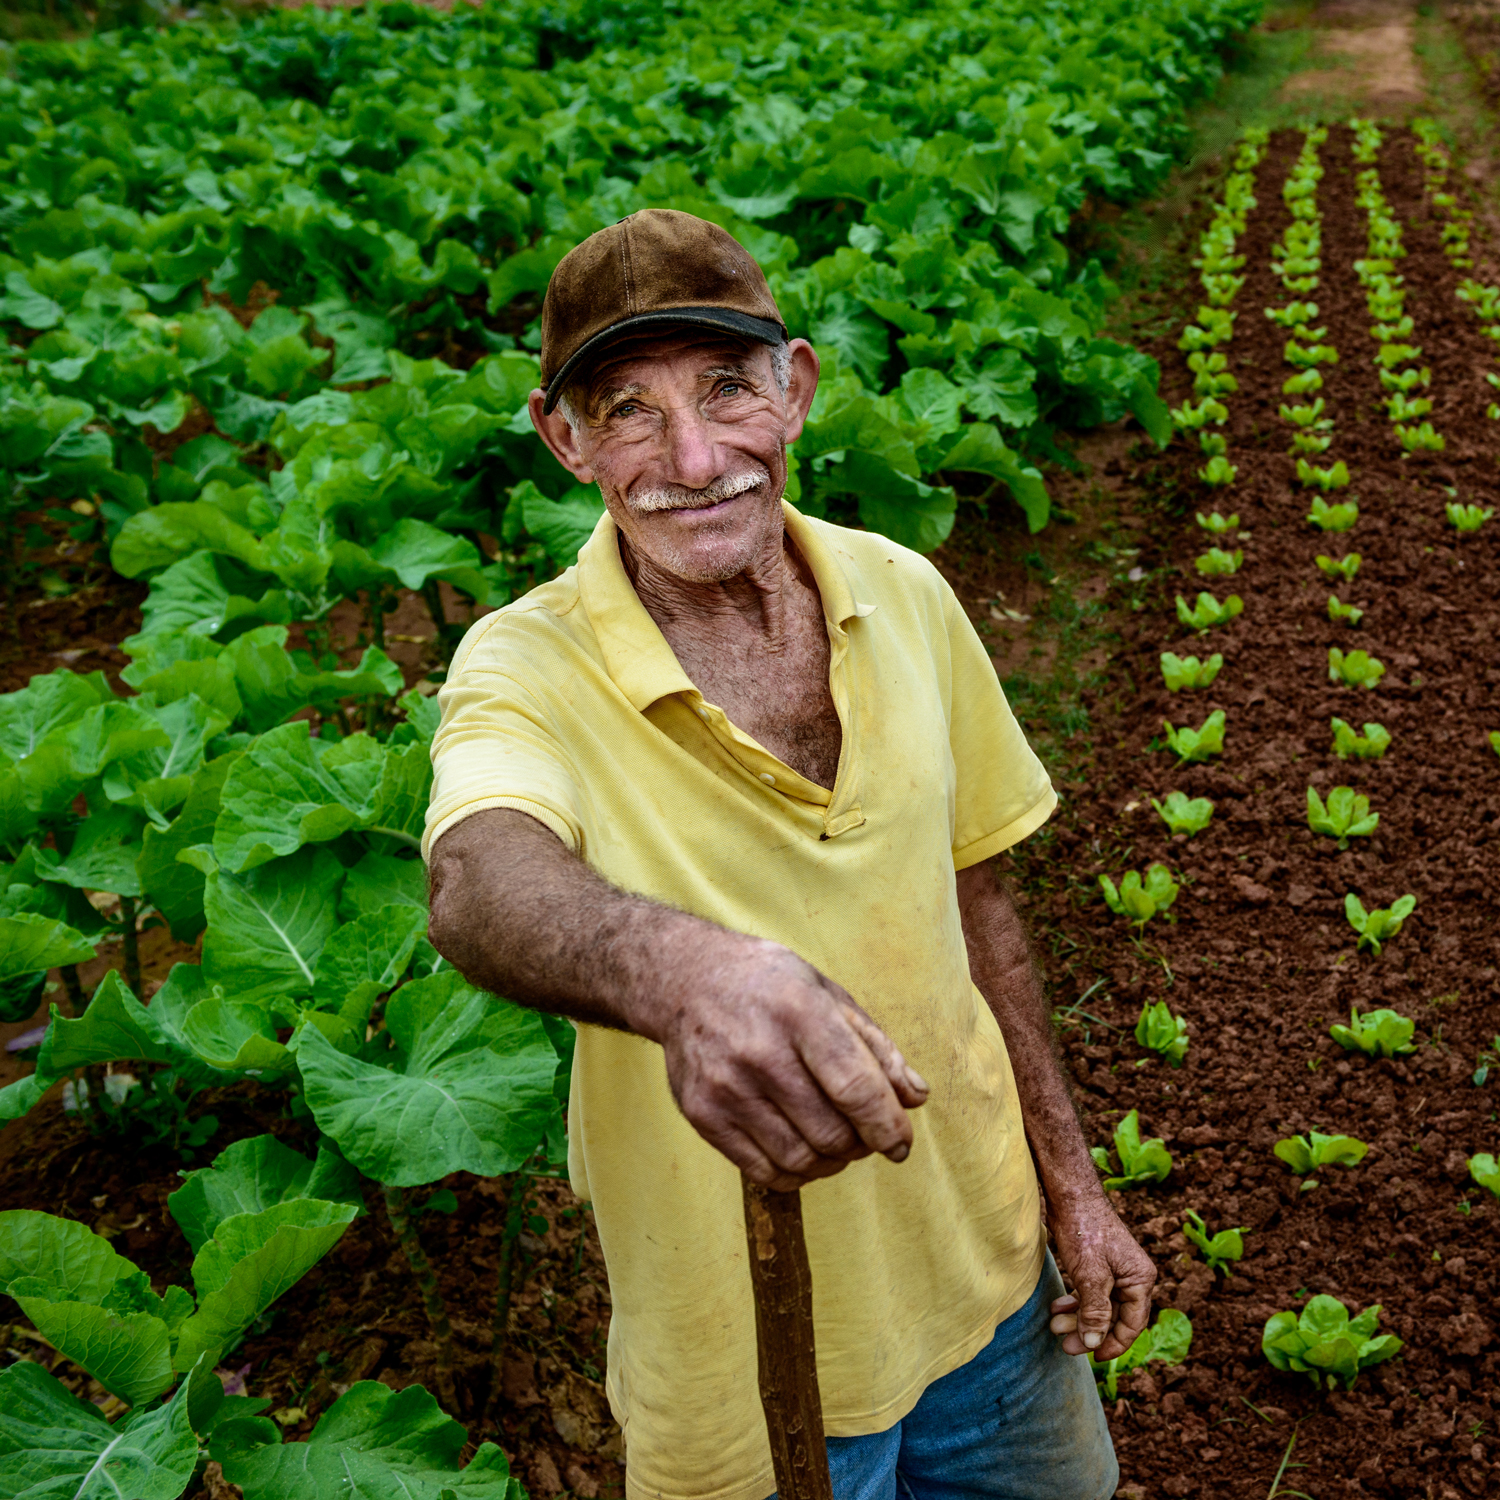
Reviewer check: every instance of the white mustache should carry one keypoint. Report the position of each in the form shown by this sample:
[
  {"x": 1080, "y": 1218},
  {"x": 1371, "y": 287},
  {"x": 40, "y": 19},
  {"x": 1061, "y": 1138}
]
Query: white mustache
[{"x": 678, "y": 497}]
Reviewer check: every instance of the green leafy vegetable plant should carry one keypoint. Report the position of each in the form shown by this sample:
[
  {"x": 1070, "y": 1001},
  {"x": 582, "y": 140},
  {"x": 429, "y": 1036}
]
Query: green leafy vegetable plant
[
  {"x": 1340, "y": 517},
  {"x": 1180, "y": 673},
  {"x": 1197, "y": 744},
  {"x": 1304, "y": 383},
  {"x": 1218, "y": 471},
  {"x": 1388, "y": 356},
  {"x": 1467, "y": 518},
  {"x": 1495, "y": 740},
  {"x": 1219, "y": 525},
  {"x": 1345, "y": 816},
  {"x": 1140, "y": 1161},
  {"x": 1403, "y": 381},
  {"x": 1326, "y": 480},
  {"x": 1370, "y": 745},
  {"x": 1162, "y": 1032},
  {"x": 1167, "y": 1340},
  {"x": 1139, "y": 898},
  {"x": 1207, "y": 612},
  {"x": 1216, "y": 562},
  {"x": 1487, "y": 1059},
  {"x": 1402, "y": 408},
  {"x": 1421, "y": 438},
  {"x": 1307, "y": 356},
  {"x": 1184, "y": 814},
  {"x": 1305, "y": 1153},
  {"x": 1214, "y": 444},
  {"x": 1379, "y": 926},
  {"x": 1211, "y": 375},
  {"x": 1376, "y": 1033},
  {"x": 1294, "y": 314},
  {"x": 1340, "y": 613},
  {"x": 1341, "y": 568},
  {"x": 1218, "y": 1250},
  {"x": 1325, "y": 1343},
  {"x": 1356, "y": 669},
  {"x": 1194, "y": 418},
  {"x": 1485, "y": 1170}
]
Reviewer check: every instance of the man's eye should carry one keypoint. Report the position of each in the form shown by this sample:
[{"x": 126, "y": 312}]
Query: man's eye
[
  {"x": 624, "y": 409},
  {"x": 729, "y": 388}
]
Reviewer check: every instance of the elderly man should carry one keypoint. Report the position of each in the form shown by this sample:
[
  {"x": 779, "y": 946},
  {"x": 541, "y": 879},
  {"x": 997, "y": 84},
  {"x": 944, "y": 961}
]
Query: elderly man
[{"x": 727, "y": 794}]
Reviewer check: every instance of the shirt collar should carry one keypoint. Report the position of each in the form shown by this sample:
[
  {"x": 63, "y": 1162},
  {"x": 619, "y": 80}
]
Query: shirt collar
[{"x": 636, "y": 654}]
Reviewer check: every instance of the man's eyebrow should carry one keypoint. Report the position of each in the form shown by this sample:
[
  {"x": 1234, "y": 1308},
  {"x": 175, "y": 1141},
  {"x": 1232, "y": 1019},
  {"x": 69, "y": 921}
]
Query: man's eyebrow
[{"x": 610, "y": 393}]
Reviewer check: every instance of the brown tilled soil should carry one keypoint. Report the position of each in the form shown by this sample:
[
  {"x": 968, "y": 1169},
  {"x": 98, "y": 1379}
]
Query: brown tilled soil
[{"x": 1259, "y": 957}]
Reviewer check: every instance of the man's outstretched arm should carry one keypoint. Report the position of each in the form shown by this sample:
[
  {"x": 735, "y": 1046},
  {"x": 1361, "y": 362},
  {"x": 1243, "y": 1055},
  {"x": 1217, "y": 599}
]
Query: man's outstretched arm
[
  {"x": 772, "y": 1063},
  {"x": 1110, "y": 1273}
]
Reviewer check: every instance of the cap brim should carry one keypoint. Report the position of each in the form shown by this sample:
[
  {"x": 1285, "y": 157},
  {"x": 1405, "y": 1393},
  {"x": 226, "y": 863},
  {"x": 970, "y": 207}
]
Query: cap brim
[{"x": 725, "y": 319}]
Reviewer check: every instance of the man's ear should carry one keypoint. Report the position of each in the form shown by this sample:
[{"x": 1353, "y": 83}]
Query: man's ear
[
  {"x": 561, "y": 440},
  {"x": 801, "y": 387}
]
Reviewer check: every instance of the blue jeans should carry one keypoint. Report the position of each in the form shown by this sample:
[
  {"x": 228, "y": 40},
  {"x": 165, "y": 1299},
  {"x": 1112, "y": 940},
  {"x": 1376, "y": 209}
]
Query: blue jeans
[{"x": 1020, "y": 1421}]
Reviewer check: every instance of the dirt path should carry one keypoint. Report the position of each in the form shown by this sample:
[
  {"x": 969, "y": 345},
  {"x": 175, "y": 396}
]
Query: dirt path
[{"x": 1364, "y": 60}]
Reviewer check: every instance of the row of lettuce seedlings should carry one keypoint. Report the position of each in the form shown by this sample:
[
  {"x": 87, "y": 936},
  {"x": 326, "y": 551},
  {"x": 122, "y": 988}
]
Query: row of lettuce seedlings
[{"x": 1322, "y": 1340}]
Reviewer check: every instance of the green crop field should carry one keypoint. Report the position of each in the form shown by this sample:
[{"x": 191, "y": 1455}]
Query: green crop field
[{"x": 272, "y": 294}]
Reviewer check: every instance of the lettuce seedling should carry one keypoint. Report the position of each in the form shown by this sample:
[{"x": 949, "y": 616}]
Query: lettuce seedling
[
  {"x": 1421, "y": 439},
  {"x": 1308, "y": 416},
  {"x": 1210, "y": 375},
  {"x": 1343, "y": 568},
  {"x": 1179, "y": 672},
  {"x": 1304, "y": 383},
  {"x": 1225, "y": 1246},
  {"x": 1213, "y": 444},
  {"x": 1218, "y": 524},
  {"x": 1215, "y": 326},
  {"x": 1216, "y": 562},
  {"x": 1197, "y": 744},
  {"x": 1380, "y": 925},
  {"x": 1402, "y": 408},
  {"x": 1325, "y": 1343},
  {"x": 1194, "y": 418},
  {"x": 1293, "y": 315},
  {"x": 1218, "y": 471},
  {"x": 1370, "y": 745},
  {"x": 1168, "y": 1339},
  {"x": 1485, "y": 1061},
  {"x": 1345, "y": 816},
  {"x": 1305, "y": 443},
  {"x": 1140, "y": 1161},
  {"x": 1207, "y": 613},
  {"x": 1377, "y": 1033},
  {"x": 1306, "y": 356},
  {"x": 1340, "y": 613},
  {"x": 1221, "y": 289},
  {"x": 1466, "y": 518},
  {"x": 1388, "y": 356},
  {"x": 1137, "y": 898},
  {"x": 1335, "y": 478},
  {"x": 1339, "y": 517},
  {"x": 1389, "y": 333},
  {"x": 1404, "y": 380},
  {"x": 1304, "y": 1153},
  {"x": 1184, "y": 814},
  {"x": 1357, "y": 669},
  {"x": 1162, "y": 1032},
  {"x": 1485, "y": 1171}
]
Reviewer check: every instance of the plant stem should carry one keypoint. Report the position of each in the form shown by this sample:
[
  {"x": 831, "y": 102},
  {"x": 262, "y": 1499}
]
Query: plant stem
[
  {"x": 73, "y": 989},
  {"x": 432, "y": 1298},
  {"x": 128, "y": 916},
  {"x": 515, "y": 1210}
]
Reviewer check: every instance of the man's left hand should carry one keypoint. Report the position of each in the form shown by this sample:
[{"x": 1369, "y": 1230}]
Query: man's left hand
[{"x": 1111, "y": 1278}]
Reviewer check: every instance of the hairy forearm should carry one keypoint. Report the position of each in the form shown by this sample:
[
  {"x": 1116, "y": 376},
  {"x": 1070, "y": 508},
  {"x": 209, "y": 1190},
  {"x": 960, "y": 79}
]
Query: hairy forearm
[
  {"x": 520, "y": 916},
  {"x": 1006, "y": 974}
]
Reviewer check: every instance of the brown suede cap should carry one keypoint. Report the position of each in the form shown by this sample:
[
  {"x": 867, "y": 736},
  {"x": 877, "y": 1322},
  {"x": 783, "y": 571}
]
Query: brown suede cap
[{"x": 656, "y": 268}]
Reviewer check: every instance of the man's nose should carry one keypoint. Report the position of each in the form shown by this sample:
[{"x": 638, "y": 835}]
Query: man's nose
[{"x": 692, "y": 454}]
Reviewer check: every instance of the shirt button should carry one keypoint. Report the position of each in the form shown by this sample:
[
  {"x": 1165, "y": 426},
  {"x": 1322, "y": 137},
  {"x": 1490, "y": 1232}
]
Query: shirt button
[
  {"x": 703, "y": 713},
  {"x": 769, "y": 779}
]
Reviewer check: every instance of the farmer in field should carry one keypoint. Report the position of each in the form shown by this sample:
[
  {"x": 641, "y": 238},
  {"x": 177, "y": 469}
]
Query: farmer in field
[{"x": 727, "y": 794}]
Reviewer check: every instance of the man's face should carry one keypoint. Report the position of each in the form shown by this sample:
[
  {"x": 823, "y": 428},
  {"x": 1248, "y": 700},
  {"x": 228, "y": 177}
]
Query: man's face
[{"x": 686, "y": 436}]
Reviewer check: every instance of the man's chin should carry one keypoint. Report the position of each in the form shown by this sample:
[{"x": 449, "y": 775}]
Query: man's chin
[{"x": 706, "y": 544}]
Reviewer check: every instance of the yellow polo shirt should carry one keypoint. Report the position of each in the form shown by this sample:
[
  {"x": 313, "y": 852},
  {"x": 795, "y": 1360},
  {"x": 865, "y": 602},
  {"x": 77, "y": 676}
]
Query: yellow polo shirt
[{"x": 569, "y": 705}]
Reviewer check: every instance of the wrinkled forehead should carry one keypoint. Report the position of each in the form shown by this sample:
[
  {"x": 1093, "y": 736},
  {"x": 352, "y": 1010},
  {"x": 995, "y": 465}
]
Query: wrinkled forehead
[{"x": 640, "y": 365}]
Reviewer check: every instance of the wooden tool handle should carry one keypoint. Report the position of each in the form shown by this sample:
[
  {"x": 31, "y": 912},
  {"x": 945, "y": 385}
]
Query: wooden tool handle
[{"x": 782, "y": 1281}]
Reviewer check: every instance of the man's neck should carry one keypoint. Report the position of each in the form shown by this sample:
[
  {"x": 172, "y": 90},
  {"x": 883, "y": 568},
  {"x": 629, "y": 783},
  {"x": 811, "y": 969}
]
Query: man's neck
[{"x": 754, "y": 601}]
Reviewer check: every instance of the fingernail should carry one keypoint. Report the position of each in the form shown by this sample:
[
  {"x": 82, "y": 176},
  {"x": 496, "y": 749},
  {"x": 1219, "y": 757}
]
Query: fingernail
[
  {"x": 916, "y": 1080},
  {"x": 1092, "y": 1340},
  {"x": 899, "y": 1153}
]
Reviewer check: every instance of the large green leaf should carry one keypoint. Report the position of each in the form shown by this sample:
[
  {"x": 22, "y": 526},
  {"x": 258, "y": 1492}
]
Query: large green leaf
[
  {"x": 250, "y": 1261},
  {"x": 46, "y": 703},
  {"x": 383, "y": 880},
  {"x": 267, "y": 926},
  {"x": 561, "y": 526},
  {"x": 981, "y": 450},
  {"x": 128, "y": 1353},
  {"x": 374, "y": 1443},
  {"x": 29, "y": 942},
  {"x": 174, "y": 887},
  {"x": 54, "y": 1446},
  {"x": 467, "y": 1086},
  {"x": 67, "y": 1255},
  {"x": 915, "y": 514},
  {"x": 368, "y": 956},
  {"x": 154, "y": 539},
  {"x": 256, "y": 1174},
  {"x": 103, "y": 855},
  {"x": 116, "y": 1027}
]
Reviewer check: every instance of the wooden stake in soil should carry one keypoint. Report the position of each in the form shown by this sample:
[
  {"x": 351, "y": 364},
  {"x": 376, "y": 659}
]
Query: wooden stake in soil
[{"x": 782, "y": 1281}]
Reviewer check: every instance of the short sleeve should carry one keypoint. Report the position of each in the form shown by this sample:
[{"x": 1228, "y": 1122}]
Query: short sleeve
[
  {"x": 1003, "y": 792},
  {"x": 496, "y": 747}
]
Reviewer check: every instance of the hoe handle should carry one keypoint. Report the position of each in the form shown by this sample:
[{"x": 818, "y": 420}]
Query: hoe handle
[{"x": 784, "y": 1337}]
